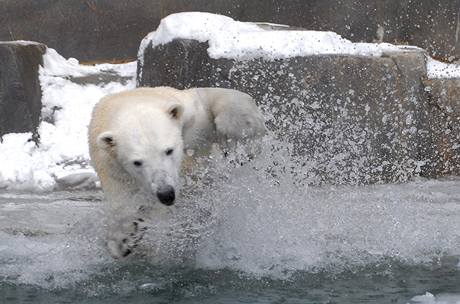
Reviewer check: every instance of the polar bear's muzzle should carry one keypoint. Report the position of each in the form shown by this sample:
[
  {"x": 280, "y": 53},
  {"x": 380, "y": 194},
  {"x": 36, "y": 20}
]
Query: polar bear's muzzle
[{"x": 166, "y": 195}]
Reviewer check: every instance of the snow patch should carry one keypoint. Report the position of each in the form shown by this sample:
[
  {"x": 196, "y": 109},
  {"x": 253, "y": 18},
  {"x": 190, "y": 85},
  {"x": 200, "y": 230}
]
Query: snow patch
[
  {"x": 232, "y": 39},
  {"x": 21, "y": 42},
  {"x": 56, "y": 65},
  {"x": 19, "y": 167},
  {"x": 228, "y": 38},
  {"x": 62, "y": 156},
  {"x": 438, "y": 69}
]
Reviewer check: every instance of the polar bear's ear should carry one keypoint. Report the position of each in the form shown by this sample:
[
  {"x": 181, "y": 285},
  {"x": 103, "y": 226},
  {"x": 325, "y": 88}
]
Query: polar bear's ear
[
  {"x": 105, "y": 140},
  {"x": 176, "y": 111}
]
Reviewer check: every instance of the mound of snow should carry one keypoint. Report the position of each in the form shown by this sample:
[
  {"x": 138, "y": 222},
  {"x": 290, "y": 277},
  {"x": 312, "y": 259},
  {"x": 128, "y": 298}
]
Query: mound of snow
[
  {"x": 62, "y": 155},
  {"x": 437, "y": 69},
  {"x": 228, "y": 38},
  {"x": 232, "y": 39}
]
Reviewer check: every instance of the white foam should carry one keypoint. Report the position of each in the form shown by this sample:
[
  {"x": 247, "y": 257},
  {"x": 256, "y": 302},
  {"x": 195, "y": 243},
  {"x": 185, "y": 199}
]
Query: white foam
[
  {"x": 271, "y": 225},
  {"x": 429, "y": 298}
]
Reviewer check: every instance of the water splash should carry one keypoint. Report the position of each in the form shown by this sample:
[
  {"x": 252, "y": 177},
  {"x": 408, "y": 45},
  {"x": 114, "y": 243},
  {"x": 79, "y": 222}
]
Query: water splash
[
  {"x": 267, "y": 223},
  {"x": 249, "y": 216}
]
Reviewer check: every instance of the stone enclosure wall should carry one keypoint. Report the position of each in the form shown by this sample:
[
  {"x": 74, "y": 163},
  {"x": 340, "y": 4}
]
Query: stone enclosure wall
[
  {"x": 102, "y": 30},
  {"x": 350, "y": 119},
  {"x": 20, "y": 93}
]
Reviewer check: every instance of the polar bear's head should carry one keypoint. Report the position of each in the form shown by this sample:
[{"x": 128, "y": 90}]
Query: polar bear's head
[{"x": 146, "y": 143}]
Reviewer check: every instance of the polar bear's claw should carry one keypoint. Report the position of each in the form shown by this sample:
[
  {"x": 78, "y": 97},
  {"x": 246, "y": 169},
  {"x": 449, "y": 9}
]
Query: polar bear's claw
[{"x": 125, "y": 238}]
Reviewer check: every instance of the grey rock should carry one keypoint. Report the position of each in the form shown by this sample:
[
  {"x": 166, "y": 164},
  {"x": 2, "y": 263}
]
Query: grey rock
[
  {"x": 81, "y": 180},
  {"x": 102, "y": 30},
  {"x": 20, "y": 92},
  {"x": 443, "y": 97},
  {"x": 104, "y": 77},
  {"x": 349, "y": 119}
]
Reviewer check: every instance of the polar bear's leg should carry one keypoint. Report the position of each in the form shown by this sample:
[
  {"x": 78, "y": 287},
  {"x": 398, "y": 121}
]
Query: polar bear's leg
[
  {"x": 124, "y": 235},
  {"x": 233, "y": 124},
  {"x": 235, "y": 113}
]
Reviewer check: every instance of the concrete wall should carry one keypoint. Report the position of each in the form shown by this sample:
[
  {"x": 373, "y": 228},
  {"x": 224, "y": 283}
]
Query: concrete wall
[{"x": 102, "y": 30}]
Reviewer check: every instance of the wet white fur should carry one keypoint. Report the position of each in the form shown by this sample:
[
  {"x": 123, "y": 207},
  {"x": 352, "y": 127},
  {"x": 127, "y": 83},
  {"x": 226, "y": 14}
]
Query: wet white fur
[{"x": 144, "y": 123}]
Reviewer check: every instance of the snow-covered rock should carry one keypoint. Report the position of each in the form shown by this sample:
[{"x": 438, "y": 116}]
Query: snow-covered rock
[
  {"x": 349, "y": 113},
  {"x": 342, "y": 106},
  {"x": 231, "y": 39},
  {"x": 353, "y": 112}
]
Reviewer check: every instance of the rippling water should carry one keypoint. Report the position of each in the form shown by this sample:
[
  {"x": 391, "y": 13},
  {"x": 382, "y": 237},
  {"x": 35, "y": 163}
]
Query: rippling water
[
  {"x": 143, "y": 282},
  {"x": 241, "y": 234}
]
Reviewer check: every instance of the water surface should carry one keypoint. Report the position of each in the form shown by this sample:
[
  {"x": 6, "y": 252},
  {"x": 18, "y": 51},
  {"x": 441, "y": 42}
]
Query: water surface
[{"x": 246, "y": 236}]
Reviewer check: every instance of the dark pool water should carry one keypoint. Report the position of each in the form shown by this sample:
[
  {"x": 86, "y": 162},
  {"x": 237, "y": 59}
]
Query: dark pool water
[{"x": 144, "y": 283}]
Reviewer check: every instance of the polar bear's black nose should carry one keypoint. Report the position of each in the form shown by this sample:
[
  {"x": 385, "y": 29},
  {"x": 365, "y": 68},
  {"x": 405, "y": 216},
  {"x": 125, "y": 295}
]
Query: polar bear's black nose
[{"x": 166, "y": 195}]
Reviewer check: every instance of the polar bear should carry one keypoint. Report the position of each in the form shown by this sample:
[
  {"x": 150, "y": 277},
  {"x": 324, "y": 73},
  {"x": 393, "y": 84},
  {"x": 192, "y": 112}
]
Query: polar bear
[{"x": 137, "y": 140}]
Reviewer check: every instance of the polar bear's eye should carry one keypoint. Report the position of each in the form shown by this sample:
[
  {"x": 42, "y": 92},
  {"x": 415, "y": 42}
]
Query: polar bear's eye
[
  {"x": 137, "y": 163},
  {"x": 169, "y": 151}
]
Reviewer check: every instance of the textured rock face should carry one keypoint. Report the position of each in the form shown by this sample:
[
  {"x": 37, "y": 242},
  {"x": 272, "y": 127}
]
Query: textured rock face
[
  {"x": 350, "y": 119},
  {"x": 20, "y": 93},
  {"x": 443, "y": 97},
  {"x": 113, "y": 29}
]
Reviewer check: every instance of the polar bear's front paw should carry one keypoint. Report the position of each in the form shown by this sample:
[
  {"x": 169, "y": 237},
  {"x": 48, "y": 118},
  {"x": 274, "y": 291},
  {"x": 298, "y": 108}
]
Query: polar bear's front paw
[
  {"x": 124, "y": 238},
  {"x": 119, "y": 249},
  {"x": 240, "y": 125}
]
